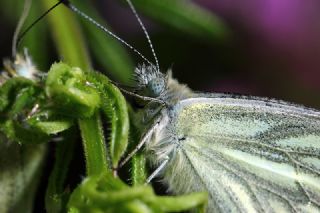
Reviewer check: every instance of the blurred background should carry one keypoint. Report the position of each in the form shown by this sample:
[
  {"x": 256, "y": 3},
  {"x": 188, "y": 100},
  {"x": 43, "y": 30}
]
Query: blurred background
[{"x": 259, "y": 47}]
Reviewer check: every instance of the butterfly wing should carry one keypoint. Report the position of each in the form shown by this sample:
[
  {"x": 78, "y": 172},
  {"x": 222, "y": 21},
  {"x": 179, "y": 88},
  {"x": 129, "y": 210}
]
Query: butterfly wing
[{"x": 250, "y": 154}]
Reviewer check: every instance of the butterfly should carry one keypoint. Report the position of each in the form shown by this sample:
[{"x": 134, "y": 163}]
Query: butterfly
[{"x": 250, "y": 154}]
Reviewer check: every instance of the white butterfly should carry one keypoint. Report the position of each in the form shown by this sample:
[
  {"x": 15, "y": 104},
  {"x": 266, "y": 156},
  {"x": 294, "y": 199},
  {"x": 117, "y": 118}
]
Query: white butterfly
[{"x": 250, "y": 154}]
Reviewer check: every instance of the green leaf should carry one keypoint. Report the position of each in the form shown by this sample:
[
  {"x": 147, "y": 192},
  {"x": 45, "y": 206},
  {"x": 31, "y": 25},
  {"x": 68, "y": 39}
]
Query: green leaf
[
  {"x": 115, "y": 109},
  {"x": 49, "y": 122},
  {"x": 14, "y": 88},
  {"x": 184, "y": 16},
  {"x": 70, "y": 91},
  {"x": 184, "y": 202},
  {"x": 22, "y": 133},
  {"x": 105, "y": 193},
  {"x": 36, "y": 39},
  {"x": 20, "y": 167},
  {"x": 67, "y": 36},
  {"x": 53, "y": 127},
  {"x": 23, "y": 100},
  {"x": 17, "y": 98}
]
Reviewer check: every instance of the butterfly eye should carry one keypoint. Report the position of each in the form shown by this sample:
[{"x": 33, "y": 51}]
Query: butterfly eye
[
  {"x": 156, "y": 87},
  {"x": 150, "y": 81}
]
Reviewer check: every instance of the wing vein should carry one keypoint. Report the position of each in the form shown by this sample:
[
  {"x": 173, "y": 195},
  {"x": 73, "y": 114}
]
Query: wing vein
[
  {"x": 200, "y": 177},
  {"x": 267, "y": 146},
  {"x": 236, "y": 173}
]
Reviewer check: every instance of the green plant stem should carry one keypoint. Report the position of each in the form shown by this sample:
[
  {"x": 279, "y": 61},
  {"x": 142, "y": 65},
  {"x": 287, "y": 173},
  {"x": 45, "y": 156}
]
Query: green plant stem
[
  {"x": 138, "y": 173},
  {"x": 94, "y": 146},
  {"x": 56, "y": 196},
  {"x": 138, "y": 162},
  {"x": 114, "y": 107}
]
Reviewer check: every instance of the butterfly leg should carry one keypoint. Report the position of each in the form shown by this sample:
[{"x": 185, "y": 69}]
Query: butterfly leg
[
  {"x": 146, "y": 137},
  {"x": 158, "y": 170},
  {"x": 145, "y": 98}
]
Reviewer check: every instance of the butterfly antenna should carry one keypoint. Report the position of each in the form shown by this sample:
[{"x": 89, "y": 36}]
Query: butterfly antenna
[
  {"x": 145, "y": 32},
  {"x": 22, "y": 19},
  {"x": 36, "y": 21},
  {"x": 85, "y": 16}
]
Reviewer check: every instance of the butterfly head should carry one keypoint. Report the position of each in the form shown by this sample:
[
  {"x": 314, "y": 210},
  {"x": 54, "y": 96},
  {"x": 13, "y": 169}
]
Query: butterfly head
[{"x": 150, "y": 81}]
